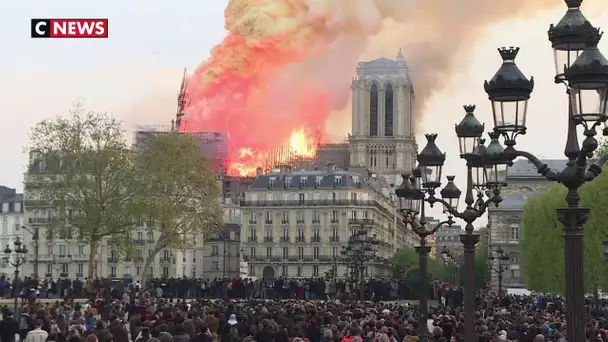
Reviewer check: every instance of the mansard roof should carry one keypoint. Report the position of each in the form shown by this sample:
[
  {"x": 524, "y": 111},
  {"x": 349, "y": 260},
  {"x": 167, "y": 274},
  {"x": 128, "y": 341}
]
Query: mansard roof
[{"x": 328, "y": 180}]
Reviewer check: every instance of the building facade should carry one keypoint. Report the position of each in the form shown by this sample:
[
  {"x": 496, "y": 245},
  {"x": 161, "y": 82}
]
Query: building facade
[
  {"x": 449, "y": 238},
  {"x": 382, "y": 138},
  {"x": 11, "y": 223},
  {"x": 505, "y": 221},
  {"x": 295, "y": 223},
  {"x": 64, "y": 256},
  {"x": 222, "y": 249}
]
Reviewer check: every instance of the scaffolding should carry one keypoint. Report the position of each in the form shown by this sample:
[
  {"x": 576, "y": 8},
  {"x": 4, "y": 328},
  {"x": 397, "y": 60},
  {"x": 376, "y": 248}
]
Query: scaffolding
[{"x": 285, "y": 155}]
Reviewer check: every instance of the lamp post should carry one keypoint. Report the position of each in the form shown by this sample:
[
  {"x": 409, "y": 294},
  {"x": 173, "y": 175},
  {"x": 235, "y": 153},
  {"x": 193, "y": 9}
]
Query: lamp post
[
  {"x": 411, "y": 202},
  {"x": 359, "y": 251},
  {"x": 18, "y": 259},
  {"x": 36, "y": 238},
  {"x": 486, "y": 175},
  {"x": 449, "y": 258},
  {"x": 502, "y": 265}
]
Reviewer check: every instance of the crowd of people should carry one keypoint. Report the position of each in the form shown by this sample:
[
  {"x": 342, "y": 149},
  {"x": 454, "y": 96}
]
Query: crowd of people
[
  {"x": 281, "y": 288},
  {"x": 121, "y": 312}
]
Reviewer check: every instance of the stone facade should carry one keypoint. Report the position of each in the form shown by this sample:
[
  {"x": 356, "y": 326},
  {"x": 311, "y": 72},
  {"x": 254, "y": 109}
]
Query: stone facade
[
  {"x": 295, "y": 223},
  {"x": 504, "y": 221},
  {"x": 382, "y": 136}
]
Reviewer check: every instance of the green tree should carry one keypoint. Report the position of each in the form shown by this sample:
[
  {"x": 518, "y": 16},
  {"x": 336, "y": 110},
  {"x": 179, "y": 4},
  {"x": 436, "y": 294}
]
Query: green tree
[
  {"x": 408, "y": 259},
  {"x": 84, "y": 178},
  {"x": 181, "y": 193},
  {"x": 542, "y": 243}
]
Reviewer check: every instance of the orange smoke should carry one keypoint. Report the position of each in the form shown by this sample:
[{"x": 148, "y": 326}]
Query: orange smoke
[{"x": 285, "y": 65}]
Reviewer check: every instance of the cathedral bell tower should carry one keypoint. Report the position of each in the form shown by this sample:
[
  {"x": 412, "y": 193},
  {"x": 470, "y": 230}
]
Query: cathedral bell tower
[{"x": 382, "y": 138}]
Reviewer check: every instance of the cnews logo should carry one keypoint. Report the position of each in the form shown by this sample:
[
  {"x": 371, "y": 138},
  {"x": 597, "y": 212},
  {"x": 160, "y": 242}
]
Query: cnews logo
[{"x": 69, "y": 28}]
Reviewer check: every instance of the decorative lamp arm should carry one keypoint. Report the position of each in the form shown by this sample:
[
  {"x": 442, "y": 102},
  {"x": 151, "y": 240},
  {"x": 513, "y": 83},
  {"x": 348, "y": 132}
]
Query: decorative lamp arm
[
  {"x": 541, "y": 167},
  {"x": 595, "y": 169},
  {"x": 449, "y": 222},
  {"x": 451, "y": 210}
]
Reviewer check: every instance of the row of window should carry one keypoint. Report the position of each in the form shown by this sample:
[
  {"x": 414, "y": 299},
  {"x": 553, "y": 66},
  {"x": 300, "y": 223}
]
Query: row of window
[
  {"x": 337, "y": 181},
  {"x": 316, "y": 252},
  {"x": 301, "y": 217},
  {"x": 316, "y": 196}
]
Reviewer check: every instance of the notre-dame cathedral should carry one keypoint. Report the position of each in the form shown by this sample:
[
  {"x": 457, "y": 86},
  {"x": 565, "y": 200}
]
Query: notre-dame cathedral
[{"x": 382, "y": 138}]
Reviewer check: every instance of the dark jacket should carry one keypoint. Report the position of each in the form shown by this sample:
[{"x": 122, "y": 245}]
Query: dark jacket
[
  {"x": 8, "y": 328},
  {"x": 118, "y": 332}
]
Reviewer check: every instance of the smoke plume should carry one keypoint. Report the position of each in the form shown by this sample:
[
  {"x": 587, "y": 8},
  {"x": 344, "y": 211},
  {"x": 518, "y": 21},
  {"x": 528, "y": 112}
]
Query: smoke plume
[{"x": 285, "y": 65}]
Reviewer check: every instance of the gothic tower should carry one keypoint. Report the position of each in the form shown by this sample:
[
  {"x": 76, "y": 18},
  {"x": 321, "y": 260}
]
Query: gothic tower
[{"x": 382, "y": 138}]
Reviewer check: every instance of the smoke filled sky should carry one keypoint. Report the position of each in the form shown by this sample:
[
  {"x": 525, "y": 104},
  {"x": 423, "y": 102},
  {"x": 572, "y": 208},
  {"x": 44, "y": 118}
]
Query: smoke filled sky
[{"x": 136, "y": 72}]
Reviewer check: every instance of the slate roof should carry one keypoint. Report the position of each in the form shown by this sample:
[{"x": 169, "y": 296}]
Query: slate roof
[
  {"x": 10, "y": 196},
  {"x": 328, "y": 180},
  {"x": 522, "y": 168}
]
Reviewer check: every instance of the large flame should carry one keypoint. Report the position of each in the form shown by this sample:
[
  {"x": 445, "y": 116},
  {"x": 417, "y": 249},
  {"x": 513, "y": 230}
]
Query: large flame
[{"x": 285, "y": 65}]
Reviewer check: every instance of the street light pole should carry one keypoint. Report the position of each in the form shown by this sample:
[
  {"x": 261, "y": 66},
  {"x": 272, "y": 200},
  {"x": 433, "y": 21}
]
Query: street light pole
[
  {"x": 36, "y": 238},
  {"x": 359, "y": 251},
  {"x": 412, "y": 197},
  {"x": 17, "y": 260},
  {"x": 486, "y": 168},
  {"x": 503, "y": 265}
]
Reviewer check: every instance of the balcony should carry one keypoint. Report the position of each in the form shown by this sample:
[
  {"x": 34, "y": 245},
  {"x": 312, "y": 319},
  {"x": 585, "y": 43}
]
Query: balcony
[
  {"x": 112, "y": 260},
  {"x": 138, "y": 260},
  {"x": 294, "y": 258},
  {"x": 150, "y": 241},
  {"x": 164, "y": 260},
  {"x": 79, "y": 275},
  {"x": 267, "y": 221},
  {"x": 300, "y": 239},
  {"x": 302, "y": 221},
  {"x": 48, "y": 275},
  {"x": 40, "y": 220},
  {"x": 284, "y": 238},
  {"x": 316, "y": 221},
  {"x": 334, "y": 221},
  {"x": 284, "y": 221},
  {"x": 360, "y": 221},
  {"x": 63, "y": 275},
  {"x": 315, "y": 239},
  {"x": 139, "y": 242},
  {"x": 252, "y": 239},
  {"x": 268, "y": 239},
  {"x": 127, "y": 276},
  {"x": 253, "y": 221},
  {"x": 334, "y": 239}
]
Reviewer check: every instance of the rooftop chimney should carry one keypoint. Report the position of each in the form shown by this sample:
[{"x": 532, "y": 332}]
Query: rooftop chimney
[
  {"x": 259, "y": 171},
  {"x": 331, "y": 166}
]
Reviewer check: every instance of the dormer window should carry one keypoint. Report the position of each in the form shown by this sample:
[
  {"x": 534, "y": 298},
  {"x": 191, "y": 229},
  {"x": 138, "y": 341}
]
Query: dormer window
[
  {"x": 271, "y": 182},
  {"x": 287, "y": 182},
  {"x": 302, "y": 182},
  {"x": 319, "y": 181},
  {"x": 337, "y": 181},
  {"x": 357, "y": 181}
]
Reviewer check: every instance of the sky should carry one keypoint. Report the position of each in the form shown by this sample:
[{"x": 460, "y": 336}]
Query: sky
[{"x": 135, "y": 74}]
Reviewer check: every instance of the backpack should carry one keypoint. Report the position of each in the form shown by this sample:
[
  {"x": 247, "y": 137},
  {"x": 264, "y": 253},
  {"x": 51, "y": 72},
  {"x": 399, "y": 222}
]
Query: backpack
[
  {"x": 23, "y": 324},
  {"x": 233, "y": 331}
]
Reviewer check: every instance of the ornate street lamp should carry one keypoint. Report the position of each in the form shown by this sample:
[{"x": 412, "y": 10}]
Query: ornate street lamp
[
  {"x": 569, "y": 38},
  {"x": 501, "y": 266},
  {"x": 486, "y": 174},
  {"x": 584, "y": 70},
  {"x": 16, "y": 258},
  {"x": 359, "y": 251},
  {"x": 450, "y": 258}
]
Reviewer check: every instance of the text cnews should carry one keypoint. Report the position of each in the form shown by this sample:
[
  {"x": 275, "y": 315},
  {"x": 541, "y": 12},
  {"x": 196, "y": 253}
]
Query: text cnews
[{"x": 69, "y": 28}]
